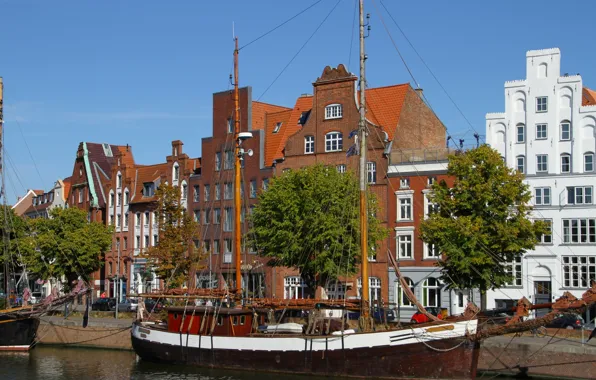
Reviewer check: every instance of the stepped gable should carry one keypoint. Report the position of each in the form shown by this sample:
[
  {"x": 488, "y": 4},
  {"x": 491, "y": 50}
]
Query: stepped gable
[
  {"x": 333, "y": 74},
  {"x": 588, "y": 97},
  {"x": 260, "y": 109},
  {"x": 144, "y": 174},
  {"x": 384, "y": 106},
  {"x": 101, "y": 160}
]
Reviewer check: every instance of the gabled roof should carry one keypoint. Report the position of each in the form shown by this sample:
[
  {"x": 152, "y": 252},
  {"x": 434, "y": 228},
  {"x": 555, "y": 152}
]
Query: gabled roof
[
  {"x": 384, "y": 105},
  {"x": 27, "y": 197},
  {"x": 67, "y": 185},
  {"x": 101, "y": 158},
  {"x": 144, "y": 174},
  {"x": 588, "y": 97},
  {"x": 260, "y": 109},
  {"x": 127, "y": 158}
]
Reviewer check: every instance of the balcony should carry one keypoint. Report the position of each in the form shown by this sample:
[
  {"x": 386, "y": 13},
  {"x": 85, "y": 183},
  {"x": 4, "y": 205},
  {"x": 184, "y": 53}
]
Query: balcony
[{"x": 227, "y": 258}]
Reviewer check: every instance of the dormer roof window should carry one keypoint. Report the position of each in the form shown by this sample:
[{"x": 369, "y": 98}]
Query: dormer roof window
[
  {"x": 333, "y": 111},
  {"x": 277, "y": 127},
  {"x": 148, "y": 189}
]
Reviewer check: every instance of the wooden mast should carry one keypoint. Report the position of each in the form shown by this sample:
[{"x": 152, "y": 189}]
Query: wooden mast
[
  {"x": 238, "y": 154},
  {"x": 363, "y": 205},
  {"x": 3, "y": 196}
]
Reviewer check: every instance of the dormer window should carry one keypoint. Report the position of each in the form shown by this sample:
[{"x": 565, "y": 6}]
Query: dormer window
[
  {"x": 148, "y": 189},
  {"x": 277, "y": 127},
  {"x": 333, "y": 142},
  {"x": 333, "y": 111}
]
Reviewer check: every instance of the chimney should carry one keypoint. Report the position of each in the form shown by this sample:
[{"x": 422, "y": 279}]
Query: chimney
[
  {"x": 176, "y": 148},
  {"x": 419, "y": 91}
]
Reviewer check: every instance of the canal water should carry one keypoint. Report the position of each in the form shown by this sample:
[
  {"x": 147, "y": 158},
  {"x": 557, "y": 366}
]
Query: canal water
[{"x": 52, "y": 363}]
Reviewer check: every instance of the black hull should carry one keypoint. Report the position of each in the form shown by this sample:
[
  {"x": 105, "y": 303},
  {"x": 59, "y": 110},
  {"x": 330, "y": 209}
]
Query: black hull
[
  {"x": 17, "y": 334},
  {"x": 418, "y": 361}
]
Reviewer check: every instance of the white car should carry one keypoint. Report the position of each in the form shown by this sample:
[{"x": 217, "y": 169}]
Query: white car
[{"x": 128, "y": 304}]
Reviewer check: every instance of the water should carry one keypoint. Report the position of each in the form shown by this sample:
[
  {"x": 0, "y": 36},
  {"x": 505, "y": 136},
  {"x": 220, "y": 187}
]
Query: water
[{"x": 51, "y": 363}]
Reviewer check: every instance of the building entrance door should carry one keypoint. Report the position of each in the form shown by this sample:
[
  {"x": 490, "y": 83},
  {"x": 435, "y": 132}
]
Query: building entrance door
[{"x": 542, "y": 294}]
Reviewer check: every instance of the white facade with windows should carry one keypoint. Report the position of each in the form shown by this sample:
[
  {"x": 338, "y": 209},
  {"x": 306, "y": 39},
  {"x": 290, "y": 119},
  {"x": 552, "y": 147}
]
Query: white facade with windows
[{"x": 548, "y": 134}]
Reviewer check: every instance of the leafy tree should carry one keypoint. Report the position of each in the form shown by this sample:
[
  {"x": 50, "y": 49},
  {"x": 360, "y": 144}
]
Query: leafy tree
[
  {"x": 14, "y": 229},
  {"x": 66, "y": 244},
  {"x": 175, "y": 255},
  {"x": 309, "y": 220},
  {"x": 482, "y": 222}
]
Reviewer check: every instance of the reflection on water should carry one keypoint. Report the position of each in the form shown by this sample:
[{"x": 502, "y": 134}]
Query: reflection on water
[{"x": 52, "y": 363}]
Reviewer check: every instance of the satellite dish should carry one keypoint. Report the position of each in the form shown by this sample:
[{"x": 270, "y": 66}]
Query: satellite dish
[
  {"x": 250, "y": 153},
  {"x": 244, "y": 135}
]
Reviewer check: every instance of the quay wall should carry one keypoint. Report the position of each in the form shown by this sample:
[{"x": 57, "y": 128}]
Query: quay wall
[{"x": 110, "y": 334}]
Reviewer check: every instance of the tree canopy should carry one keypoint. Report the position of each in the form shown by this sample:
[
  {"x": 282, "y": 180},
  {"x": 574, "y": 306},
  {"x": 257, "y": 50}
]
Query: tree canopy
[
  {"x": 66, "y": 244},
  {"x": 14, "y": 229},
  {"x": 175, "y": 255},
  {"x": 308, "y": 219},
  {"x": 482, "y": 223}
]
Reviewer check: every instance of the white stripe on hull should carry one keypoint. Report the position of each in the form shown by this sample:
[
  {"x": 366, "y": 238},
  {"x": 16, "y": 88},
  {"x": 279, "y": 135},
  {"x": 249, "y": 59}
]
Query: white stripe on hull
[{"x": 300, "y": 343}]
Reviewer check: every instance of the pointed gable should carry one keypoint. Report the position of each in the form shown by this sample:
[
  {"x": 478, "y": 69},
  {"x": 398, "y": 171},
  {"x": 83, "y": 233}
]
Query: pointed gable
[
  {"x": 384, "y": 106},
  {"x": 588, "y": 97},
  {"x": 260, "y": 109}
]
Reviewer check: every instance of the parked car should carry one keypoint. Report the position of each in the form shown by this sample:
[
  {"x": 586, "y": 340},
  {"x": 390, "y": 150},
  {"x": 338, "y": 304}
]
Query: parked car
[
  {"x": 153, "y": 306},
  {"x": 35, "y": 298},
  {"x": 103, "y": 304},
  {"x": 418, "y": 317},
  {"x": 567, "y": 321},
  {"x": 128, "y": 304}
]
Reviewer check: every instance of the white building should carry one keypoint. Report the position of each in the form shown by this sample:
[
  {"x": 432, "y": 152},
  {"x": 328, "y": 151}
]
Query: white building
[{"x": 548, "y": 132}]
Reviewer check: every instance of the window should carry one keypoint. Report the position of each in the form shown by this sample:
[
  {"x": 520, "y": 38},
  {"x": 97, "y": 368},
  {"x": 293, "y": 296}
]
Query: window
[
  {"x": 431, "y": 292},
  {"x": 228, "y": 190},
  {"x": 403, "y": 300},
  {"x": 374, "y": 289},
  {"x": 405, "y": 209},
  {"x": 404, "y": 183},
  {"x": 216, "y": 247},
  {"x": 137, "y": 242},
  {"x": 371, "y": 172},
  {"x": 230, "y": 125},
  {"x": 111, "y": 200},
  {"x": 542, "y": 163},
  {"x": 229, "y": 163},
  {"x": 195, "y": 193},
  {"x": 565, "y": 163},
  {"x": 521, "y": 164},
  {"x": 176, "y": 174},
  {"x": 217, "y": 161},
  {"x": 579, "y": 231},
  {"x": 206, "y": 191},
  {"x": 265, "y": 183},
  {"x": 148, "y": 189},
  {"x": 514, "y": 269},
  {"x": 541, "y": 104},
  {"x": 521, "y": 133},
  {"x": 294, "y": 287},
  {"x": 118, "y": 220},
  {"x": 431, "y": 251},
  {"x": 80, "y": 195},
  {"x": 589, "y": 162},
  {"x": 404, "y": 246},
  {"x": 126, "y": 198},
  {"x": 542, "y": 196},
  {"x": 146, "y": 218},
  {"x": 206, "y": 216},
  {"x": 336, "y": 290},
  {"x": 341, "y": 168},
  {"x": 216, "y": 216},
  {"x": 541, "y": 131},
  {"x": 119, "y": 181},
  {"x": 138, "y": 219},
  {"x": 333, "y": 111},
  {"x": 565, "y": 130},
  {"x": 547, "y": 238},
  {"x": 333, "y": 142},
  {"x": 112, "y": 220},
  {"x": 228, "y": 245},
  {"x": 277, "y": 127},
  {"x": 146, "y": 241},
  {"x": 198, "y": 216},
  {"x": 229, "y": 219},
  {"x": 125, "y": 220},
  {"x": 579, "y": 195},
  {"x": 155, "y": 240},
  {"x": 119, "y": 199},
  {"x": 579, "y": 271},
  {"x": 125, "y": 243},
  {"x": 253, "y": 188},
  {"x": 309, "y": 144},
  {"x": 431, "y": 181},
  {"x": 217, "y": 192}
]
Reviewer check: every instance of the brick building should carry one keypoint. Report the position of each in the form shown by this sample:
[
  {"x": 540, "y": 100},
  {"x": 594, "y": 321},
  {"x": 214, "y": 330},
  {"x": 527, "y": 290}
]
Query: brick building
[{"x": 43, "y": 202}]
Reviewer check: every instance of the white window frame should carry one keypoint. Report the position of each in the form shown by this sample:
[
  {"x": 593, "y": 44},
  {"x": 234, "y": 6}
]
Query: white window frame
[
  {"x": 277, "y": 127},
  {"x": 334, "y": 142},
  {"x": 341, "y": 168},
  {"x": 523, "y": 163},
  {"x": 428, "y": 285},
  {"x": 542, "y": 104},
  {"x": 336, "y": 290},
  {"x": 562, "y": 132},
  {"x": 428, "y": 205},
  {"x": 400, "y": 232},
  {"x": 515, "y": 268},
  {"x": 230, "y": 125},
  {"x": 431, "y": 252},
  {"x": 253, "y": 188},
  {"x": 541, "y": 131},
  {"x": 402, "y": 299},
  {"x": 206, "y": 191},
  {"x": 333, "y": 111},
  {"x": 309, "y": 144},
  {"x": 588, "y": 163},
  {"x": 538, "y": 163},
  {"x": 579, "y": 231},
  {"x": 374, "y": 289},
  {"x": 371, "y": 172},
  {"x": 548, "y": 237},
  {"x": 404, "y": 183},
  {"x": 406, "y": 196},
  {"x": 565, "y": 163},
  {"x": 582, "y": 195},
  {"x": 196, "y": 193},
  {"x": 520, "y": 138},
  {"x": 217, "y": 161},
  {"x": 294, "y": 287},
  {"x": 578, "y": 271},
  {"x": 542, "y": 196}
]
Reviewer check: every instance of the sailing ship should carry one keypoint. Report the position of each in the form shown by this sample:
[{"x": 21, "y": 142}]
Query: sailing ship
[{"x": 239, "y": 337}]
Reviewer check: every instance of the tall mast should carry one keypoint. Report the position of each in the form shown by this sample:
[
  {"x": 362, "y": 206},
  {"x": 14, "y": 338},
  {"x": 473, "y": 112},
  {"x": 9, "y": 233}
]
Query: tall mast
[
  {"x": 237, "y": 200},
  {"x": 3, "y": 196},
  {"x": 363, "y": 206}
]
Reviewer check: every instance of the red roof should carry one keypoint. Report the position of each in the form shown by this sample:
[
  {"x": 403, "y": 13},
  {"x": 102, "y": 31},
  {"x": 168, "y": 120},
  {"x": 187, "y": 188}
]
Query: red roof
[
  {"x": 589, "y": 97},
  {"x": 259, "y": 110},
  {"x": 144, "y": 174},
  {"x": 384, "y": 105},
  {"x": 67, "y": 184}
]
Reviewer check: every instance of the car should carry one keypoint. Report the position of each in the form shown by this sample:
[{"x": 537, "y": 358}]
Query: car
[
  {"x": 35, "y": 298},
  {"x": 153, "y": 306},
  {"x": 418, "y": 317},
  {"x": 103, "y": 304},
  {"x": 567, "y": 321},
  {"x": 128, "y": 304}
]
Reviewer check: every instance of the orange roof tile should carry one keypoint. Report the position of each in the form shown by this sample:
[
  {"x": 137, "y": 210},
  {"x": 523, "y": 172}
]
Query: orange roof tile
[
  {"x": 589, "y": 97},
  {"x": 127, "y": 157},
  {"x": 144, "y": 174},
  {"x": 384, "y": 105},
  {"x": 67, "y": 184},
  {"x": 260, "y": 109}
]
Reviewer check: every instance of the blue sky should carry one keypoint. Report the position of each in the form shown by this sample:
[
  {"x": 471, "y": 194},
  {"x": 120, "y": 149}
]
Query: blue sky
[{"x": 143, "y": 72}]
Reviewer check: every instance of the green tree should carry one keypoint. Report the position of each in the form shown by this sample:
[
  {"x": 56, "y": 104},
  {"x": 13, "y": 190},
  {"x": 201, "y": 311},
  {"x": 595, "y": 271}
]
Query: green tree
[
  {"x": 13, "y": 234},
  {"x": 309, "y": 220},
  {"x": 482, "y": 223},
  {"x": 66, "y": 244},
  {"x": 175, "y": 255}
]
